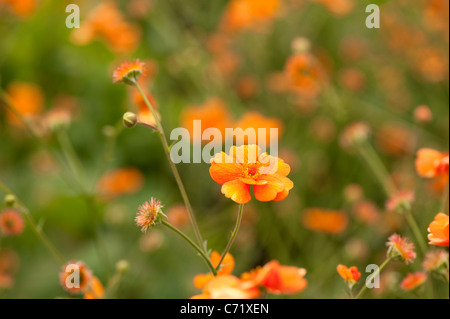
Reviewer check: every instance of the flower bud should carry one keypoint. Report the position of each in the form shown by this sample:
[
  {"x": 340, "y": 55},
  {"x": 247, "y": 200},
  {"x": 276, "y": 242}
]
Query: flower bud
[
  {"x": 10, "y": 200},
  {"x": 130, "y": 119},
  {"x": 122, "y": 265}
]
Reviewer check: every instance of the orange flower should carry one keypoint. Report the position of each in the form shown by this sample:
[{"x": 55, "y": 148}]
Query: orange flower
[
  {"x": 106, "y": 21},
  {"x": 350, "y": 275},
  {"x": 75, "y": 284},
  {"x": 255, "y": 120},
  {"x": 338, "y": 7},
  {"x": 244, "y": 167},
  {"x": 412, "y": 281},
  {"x": 149, "y": 214},
  {"x": 431, "y": 163},
  {"x": 435, "y": 259},
  {"x": 366, "y": 212},
  {"x": 128, "y": 71},
  {"x": 227, "y": 287},
  {"x": 325, "y": 221},
  {"x": 201, "y": 280},
  {"x": 354, "y": 134},
  {"x": 9, "y": 263},
  {"x": 396, "y": 139},
  {"x": 11, "y": 222},
  {"x": 26, "y": 98},
  {"x": 438, "y": 230},
  {"x": 305, "y": 74},
  {"x": 23, "y": 8},
  {"x": 178, "y": 216},
  {"x": 120, "y": 181},
  {"x": 212, "y": 114},
  {"x": 247, "y": 87},
  {"x": 244, "y": 14},
  {"x": 423, "y": 114},
  {"x": 279, "y": 279},
  {"x": 401, "y": 247},
  {"x": 95, "y": 290},
  {"x": 401, "y": 200}
]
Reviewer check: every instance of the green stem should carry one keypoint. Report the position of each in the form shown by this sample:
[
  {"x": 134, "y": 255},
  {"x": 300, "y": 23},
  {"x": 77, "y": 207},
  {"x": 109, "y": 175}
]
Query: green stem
[
  {"x": 416, "y": 230},
  {"x": 174, "y": 169},
  {"x": 194, "y": 245},
  {"x": 70, "y": 155},
  {"x": 233, "y": 236},
  {"x": 35, "y": 229},
  {"x": 379, "y": 170},
  {"x": 371, "y": 276}
]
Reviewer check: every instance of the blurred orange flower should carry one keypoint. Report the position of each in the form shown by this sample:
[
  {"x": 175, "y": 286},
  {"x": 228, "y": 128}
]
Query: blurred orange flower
[
  {"x": 9, "y": 263},
  {"x": 278, "y": 279},
  {"x": 413, "y": 280},
  {"x": 95, "y": 289},
  {"x": 23, "y": 8},
  {"x": 434, "y": 259},
  {"x": 27, "y": 99},
  {"x": 119, "y": 182},
  {"x": 438, "y": 230},
  {"x": 178, "y": 216},
  {"x": 244, "y": 14},
  {"x": 201, "y": 280},
  {"x": 70, "y": 283},
  {"x": 395, "y": 139},
  {"x": 326, "y": 221},
  {"x": 11, "y": 222},
  {"x": 107, "y": 21},
  {"x": 227, "y": 287},
  {"x": 212, "y": 114},
  {"x": 245, "y": 166},
  {"x": 256, "y": 121},
  {"x": 431, "y": 163},
  {"x": 305, "y": 74},
  {"x": 350, "y": 275},
  {"x": 338, "y": 7},
  {"x": 366, "y": 212}
]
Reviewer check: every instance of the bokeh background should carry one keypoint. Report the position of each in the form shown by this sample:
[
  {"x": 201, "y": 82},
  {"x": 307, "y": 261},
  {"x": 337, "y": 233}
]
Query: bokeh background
[{"x": 202, "y": 54}]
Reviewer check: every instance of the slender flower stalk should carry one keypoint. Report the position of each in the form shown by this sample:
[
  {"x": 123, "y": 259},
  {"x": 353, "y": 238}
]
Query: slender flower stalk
[
  {"x": 233, "y": 236},
  {"x": 39, "y": 233},
  {"x": 194, "y": 245},
  {"x": 371, "y": 276},
  {"x": 368, "y": 154},
  {"x": 166, "y": 148}
]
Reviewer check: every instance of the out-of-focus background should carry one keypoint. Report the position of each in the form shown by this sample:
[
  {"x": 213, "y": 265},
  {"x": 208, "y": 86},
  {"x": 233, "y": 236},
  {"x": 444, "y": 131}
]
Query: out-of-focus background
[{"x": 308, "y": 67}]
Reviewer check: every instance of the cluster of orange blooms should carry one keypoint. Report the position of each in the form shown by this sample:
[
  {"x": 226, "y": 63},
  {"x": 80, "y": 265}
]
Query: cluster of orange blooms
[
  {"x": 107, "y": 22},
  {"x": 272, "y": 278},
  {"x": 214, "y": 114},
  {"x": 88, "y": 284}
]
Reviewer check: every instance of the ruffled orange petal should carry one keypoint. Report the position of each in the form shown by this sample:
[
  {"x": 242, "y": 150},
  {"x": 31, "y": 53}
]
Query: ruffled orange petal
[
  {"x": 223, "y": 169},
  {"x": 439, "y": 230},
  {"x": 245, "y": 153},
  {"x": 281, "y": 195},
  {"x": 201, "y": 280},
  {"x": 237, "y": 191}
]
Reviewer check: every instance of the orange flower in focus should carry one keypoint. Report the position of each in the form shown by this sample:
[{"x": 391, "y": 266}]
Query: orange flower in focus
[
  {"x": 255, "y": 120},
  {"x": 227, "y": 266},
  {"x": 431, "y": 163},
  {"x": 279, "y": 279},
  {"x": 120, "y": 182},
  {"x": 11, "y": 222},
  {"x": 23, "y": 8},
  {"x": 128, "y": 71},
  {"x": 412, "y": 281},
  {"x": 401, "y": 247},
  {"x": 26, "y": 98},
  {"x": 305, "y": 74},
  {"x": 350, "y": 275},
  {"x": 212, "y": 114},
  {"x": 227, "y": 287},
  {"x": 70, "y": 282},
  {"x": 244, "y": 14},
  {"x": 325, "y": 221},
  {"x": 95, "y": 290},
  {"x": 244, "y": 167},
  {"x": 438, "y": 230}
]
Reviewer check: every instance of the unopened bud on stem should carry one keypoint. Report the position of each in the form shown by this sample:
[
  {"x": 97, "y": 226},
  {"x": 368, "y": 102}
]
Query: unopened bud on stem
[{"x": 130, "y": 119}]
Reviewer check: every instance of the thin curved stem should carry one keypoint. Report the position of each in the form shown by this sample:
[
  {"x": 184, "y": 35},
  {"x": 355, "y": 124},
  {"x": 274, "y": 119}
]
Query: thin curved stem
[
  {"x": 371, "y": 276},
  {"x": 174, "y": 168},
  {"x": 47, "y": 243},
  {"x": 194, "y": 245},
  {"x": 233, "y": 236}
]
